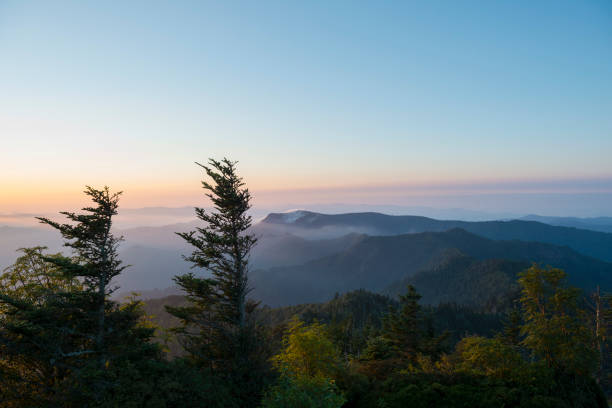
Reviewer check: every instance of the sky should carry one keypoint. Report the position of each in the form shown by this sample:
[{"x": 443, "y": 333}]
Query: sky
[{"x": 440, "y": 103}]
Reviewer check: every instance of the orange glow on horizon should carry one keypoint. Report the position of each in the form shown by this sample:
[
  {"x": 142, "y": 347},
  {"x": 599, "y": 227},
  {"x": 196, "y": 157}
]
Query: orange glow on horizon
[{"x": 37, "y": 196}]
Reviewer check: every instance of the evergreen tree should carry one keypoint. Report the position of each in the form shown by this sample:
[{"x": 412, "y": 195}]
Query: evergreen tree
[
  {"x": 217, "y": 329},
  {"x": 73, "y": 340},
  {"x": 402, "y": 328},
  {"x": 511, "y": 334},
  {"x": 96, "y": 260},
  {"x": 409, "y": 331}
]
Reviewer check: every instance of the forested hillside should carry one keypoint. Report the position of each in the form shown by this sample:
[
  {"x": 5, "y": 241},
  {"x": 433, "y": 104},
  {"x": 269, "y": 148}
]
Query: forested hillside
[
  {"x": 351, "y": 318},
  {"x": 488, "y": 285},
  {"x": 379, "y": 263}
]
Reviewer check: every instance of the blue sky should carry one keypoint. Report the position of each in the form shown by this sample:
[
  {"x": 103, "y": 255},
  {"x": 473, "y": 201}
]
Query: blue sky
[{"x": 407, "y": 96}]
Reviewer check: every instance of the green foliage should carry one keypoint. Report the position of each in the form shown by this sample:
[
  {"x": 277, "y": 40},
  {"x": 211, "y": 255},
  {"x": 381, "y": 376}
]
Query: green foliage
[
  {"x": 378, "y": 348},
  {"x": 303, "y": 392},
  {"x": 406, "y": 340},
  {"x": 409, "y": 331},
  {"x": 555, "y": 326},
  {"x": 460, "y": 321},
  {"x": 163, "y": 384},
  {"x": 486, "y": 372},
  {"x": 351, "y": 318},
  {"x": 462, "y": 391},
  {"x": 401, "y": 328},
  {"x": 511, "y": 333},
  {"x": 308, "y": 352},
  {"x": 489, "y": 357},
  {"x": 30, "y": 278},
  {"x": 28, "y": 283},
  {"x": 308, "y": 364}
]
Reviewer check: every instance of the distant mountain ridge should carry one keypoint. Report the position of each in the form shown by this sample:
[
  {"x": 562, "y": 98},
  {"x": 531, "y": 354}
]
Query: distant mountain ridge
[
  {"x": 602, "y": 224},
  {"x": 592, "y": 243},
  {"x": 377, "y": 263}
]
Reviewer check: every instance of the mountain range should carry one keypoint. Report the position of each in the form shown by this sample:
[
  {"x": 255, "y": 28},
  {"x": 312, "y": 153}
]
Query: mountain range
[
  {"x": 304, "y": 256},
  {"x": 378, "y": 263},
  {"x": 593, "y": 243},
  {"x": 602, "y": 224}
]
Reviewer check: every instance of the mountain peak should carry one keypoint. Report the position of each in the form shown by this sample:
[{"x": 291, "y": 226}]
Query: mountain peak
[{"x": 289, "y": 217}]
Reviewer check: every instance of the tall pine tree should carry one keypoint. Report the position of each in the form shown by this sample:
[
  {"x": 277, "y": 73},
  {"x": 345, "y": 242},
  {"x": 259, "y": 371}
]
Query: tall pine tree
[
  {"x": 96, "y": 263},
  {"x": 217, "y": 328},
  {"x": 409, "y": 331},
  {"x": 403, "y": 328},
  {"x": 72, "y": 340}
]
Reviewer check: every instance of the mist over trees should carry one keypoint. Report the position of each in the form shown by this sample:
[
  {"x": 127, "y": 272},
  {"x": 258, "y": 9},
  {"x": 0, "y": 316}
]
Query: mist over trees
[{"x": 64, "y": 341}]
